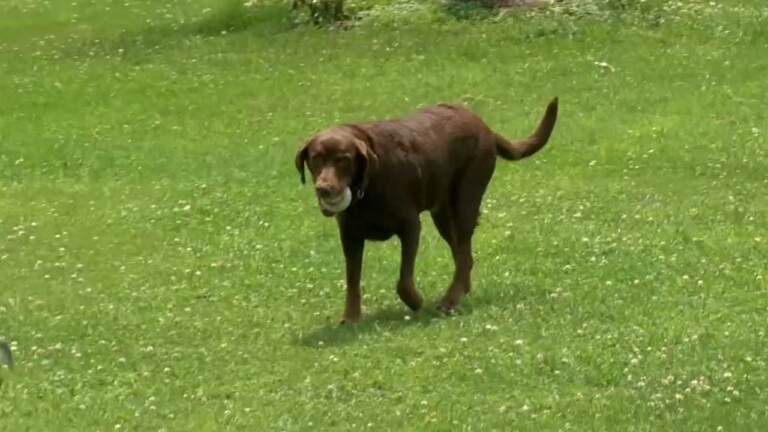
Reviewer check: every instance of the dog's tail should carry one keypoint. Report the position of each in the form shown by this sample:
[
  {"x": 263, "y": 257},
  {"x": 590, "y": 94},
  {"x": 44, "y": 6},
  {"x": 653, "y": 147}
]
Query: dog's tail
[{"x": 522, "y": 148}]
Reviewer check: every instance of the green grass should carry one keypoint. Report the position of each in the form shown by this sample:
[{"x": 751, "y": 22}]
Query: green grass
[{"x": 162, "y": 268}]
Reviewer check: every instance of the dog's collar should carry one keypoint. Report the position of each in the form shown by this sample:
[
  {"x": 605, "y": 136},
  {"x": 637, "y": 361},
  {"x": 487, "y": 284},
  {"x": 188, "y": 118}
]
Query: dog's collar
[{"x": 358, "y": 193}]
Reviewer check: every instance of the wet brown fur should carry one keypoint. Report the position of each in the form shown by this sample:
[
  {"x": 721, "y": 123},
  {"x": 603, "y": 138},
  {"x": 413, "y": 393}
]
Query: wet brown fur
[{"x": 439, "y": 160}]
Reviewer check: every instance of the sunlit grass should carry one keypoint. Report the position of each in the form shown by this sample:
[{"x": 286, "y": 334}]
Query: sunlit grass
[{"x": 162, "y": 267}]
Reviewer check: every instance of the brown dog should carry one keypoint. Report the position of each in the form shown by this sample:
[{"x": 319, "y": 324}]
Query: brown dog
[{"x": 378, "y": 177}]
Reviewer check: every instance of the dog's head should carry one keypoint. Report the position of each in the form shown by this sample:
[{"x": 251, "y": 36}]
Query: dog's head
[{"x": 340, "y": 162}]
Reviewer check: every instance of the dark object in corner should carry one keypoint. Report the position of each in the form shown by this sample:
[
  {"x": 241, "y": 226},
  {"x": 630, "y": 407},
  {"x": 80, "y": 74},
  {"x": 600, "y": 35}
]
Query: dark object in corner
[{"x": 5, "y": 355}]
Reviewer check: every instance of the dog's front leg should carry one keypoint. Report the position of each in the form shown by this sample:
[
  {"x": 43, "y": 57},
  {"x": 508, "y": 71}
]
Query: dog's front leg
[
  {"x": 353, "y": 255},
  {"x": 409, "y": 244}
]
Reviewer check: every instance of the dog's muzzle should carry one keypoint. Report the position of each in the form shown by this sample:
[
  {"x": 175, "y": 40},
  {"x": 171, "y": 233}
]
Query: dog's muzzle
[{"x": 338, "y": 204}]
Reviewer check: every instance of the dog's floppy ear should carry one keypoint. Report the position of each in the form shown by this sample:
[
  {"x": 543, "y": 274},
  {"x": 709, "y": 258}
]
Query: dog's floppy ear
[
  {"x": 301, "y": 159},
  {"x": 367, "y": 163}
]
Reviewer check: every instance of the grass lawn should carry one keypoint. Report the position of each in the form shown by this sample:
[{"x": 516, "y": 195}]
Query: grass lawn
[{"x": 161, "y": 268}]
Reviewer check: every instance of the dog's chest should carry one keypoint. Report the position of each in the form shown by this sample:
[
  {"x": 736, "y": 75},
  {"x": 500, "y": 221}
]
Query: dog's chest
[
  {"x": 378, "y": 231},
  {"x": 373, "y": 222},
  {"x": 378, "y": 225}
]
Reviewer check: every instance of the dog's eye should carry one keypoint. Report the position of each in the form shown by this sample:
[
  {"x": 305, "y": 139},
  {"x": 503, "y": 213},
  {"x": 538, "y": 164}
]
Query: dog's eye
[
  {"x": 316, "y": 160},
  {"x": 343, "y": 160}
]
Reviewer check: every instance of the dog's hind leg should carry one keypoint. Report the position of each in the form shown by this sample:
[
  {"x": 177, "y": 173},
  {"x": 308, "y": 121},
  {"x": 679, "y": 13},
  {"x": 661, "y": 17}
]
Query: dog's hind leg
[
  {"x": 446, "y": 226},
  {"x": 456, "y": 223},
  {"x": 409, "y": 245}
]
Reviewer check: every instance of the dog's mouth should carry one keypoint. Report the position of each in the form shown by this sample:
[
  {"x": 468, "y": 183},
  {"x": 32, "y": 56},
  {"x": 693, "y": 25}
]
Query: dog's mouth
[
  {"x": 336, "y": 204},
  {"x": 334, "y": 201}
]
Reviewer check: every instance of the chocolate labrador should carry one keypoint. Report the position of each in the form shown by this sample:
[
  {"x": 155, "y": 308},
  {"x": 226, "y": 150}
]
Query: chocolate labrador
[{"x": 377, "y": 177}]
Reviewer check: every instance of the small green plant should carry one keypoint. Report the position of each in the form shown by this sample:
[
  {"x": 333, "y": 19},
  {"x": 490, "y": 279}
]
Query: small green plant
[{"x": 319, "y": 12}]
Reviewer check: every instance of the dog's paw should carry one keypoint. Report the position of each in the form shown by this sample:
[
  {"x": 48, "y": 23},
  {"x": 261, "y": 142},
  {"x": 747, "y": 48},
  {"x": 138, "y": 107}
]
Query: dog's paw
[
  {"x": 349, "y": 321},
  {"x": 410, "y": 297},
  {"x": 446, "y": 308}
]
